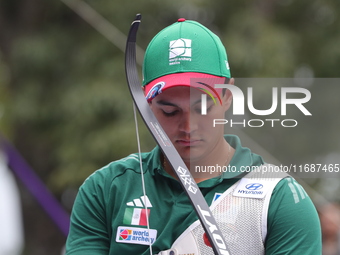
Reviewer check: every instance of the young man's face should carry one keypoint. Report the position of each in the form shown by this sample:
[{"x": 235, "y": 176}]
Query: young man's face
[{"x": 178, "y": 110}]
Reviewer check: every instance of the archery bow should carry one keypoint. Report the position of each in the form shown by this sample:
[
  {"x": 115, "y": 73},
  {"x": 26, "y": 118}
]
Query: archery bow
[{"x": 183, "y": 174}]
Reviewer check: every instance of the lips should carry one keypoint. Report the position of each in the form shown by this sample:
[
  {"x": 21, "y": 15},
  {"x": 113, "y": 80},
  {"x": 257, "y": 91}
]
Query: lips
[{"x": 188, "y": 142}]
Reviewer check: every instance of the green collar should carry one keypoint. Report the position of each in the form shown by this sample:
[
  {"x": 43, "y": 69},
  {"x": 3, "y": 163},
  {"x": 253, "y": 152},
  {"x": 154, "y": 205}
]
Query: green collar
[{"x": 242, "y": 158}]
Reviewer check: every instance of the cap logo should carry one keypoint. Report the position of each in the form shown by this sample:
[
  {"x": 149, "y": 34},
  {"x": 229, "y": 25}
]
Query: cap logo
[
  {"x": 227, "y": 64},
  {"x": 179, "y": 50},
  {"x": 155, "y": 90}
]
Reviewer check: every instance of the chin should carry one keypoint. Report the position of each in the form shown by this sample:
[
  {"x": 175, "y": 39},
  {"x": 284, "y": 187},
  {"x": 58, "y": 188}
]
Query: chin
[{"x": 191, "y": 156}]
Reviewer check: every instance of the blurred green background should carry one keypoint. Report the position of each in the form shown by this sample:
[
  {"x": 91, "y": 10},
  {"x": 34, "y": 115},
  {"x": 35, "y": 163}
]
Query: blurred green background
[{"x": 65, "y": 105}]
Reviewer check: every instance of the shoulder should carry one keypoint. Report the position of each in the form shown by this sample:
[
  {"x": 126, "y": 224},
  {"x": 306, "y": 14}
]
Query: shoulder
[
  {"x": 290, "y": 192},
  {"x": 125, "y": 167},
  {"x": 289, "y": 198},
  {"x": 111, "y": 181},
  {"x": 293, "y": 222}
]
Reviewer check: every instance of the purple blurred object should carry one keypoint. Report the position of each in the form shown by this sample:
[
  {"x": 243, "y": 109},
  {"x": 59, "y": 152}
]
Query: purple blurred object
[{"x": 36, "y": 187}]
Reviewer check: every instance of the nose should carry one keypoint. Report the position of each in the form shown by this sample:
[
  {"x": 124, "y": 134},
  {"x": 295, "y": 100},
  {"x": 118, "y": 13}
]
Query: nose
[{"x": 188, "y": 123}]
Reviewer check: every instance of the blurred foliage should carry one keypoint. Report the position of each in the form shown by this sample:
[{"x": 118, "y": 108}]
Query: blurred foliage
[{"x": 64, "y": 101}]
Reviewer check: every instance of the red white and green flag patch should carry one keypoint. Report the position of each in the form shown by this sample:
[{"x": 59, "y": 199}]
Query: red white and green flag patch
[{"x": 136, "y": 216}]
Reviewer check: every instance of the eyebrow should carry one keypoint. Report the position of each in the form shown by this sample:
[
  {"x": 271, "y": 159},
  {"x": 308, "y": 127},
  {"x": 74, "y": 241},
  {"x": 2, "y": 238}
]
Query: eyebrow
[{"x": 164, "y": 102}]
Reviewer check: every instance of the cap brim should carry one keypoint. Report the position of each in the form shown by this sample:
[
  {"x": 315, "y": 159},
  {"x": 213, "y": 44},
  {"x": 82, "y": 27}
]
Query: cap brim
[{"x": 202, "y": 81}]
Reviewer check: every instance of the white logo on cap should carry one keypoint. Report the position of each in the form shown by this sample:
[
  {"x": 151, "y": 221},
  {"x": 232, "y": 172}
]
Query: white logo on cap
[
  {"x": 227, "y": 64},
  {"x": 179, "y": 50}
]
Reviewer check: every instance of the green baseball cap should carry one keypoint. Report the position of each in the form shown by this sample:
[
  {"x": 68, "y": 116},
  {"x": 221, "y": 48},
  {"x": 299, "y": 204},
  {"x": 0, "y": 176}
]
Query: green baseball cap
[{"x": 183, "y": 52}]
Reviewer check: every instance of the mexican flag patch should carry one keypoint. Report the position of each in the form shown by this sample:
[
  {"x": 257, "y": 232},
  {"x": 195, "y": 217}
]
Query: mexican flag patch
[{"x": 136, "y": 216}]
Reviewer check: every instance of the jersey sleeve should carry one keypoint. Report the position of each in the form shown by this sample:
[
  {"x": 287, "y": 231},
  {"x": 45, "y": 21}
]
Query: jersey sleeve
[
  {"x": 88, "y": 231},
  {"x": 293, "y": 222}
]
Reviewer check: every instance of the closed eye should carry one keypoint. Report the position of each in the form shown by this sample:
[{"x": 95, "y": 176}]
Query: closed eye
[{"x": 199, "y": 109}]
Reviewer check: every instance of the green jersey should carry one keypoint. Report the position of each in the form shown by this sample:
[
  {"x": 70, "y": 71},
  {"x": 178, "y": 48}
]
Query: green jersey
[{"x": 110, "y": 214}]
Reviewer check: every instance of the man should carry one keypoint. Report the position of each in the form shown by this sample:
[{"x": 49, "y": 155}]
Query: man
[{"x": 111, "y": 215}]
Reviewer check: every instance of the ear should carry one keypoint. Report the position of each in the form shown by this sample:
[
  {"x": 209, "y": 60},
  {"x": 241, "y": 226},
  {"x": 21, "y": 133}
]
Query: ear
[
  {"x": 228, "y": 96},
  {"x": 232, "y": 81}
]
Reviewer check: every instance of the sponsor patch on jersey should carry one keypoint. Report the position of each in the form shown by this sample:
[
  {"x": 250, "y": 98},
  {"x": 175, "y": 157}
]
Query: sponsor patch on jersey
[
  {"x": 252, "y": 188},
  {"x": 133, "y": 235}
]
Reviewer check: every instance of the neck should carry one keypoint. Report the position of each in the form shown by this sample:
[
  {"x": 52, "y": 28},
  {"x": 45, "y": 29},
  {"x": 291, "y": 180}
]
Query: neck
[{"x": 201, "y": 169}]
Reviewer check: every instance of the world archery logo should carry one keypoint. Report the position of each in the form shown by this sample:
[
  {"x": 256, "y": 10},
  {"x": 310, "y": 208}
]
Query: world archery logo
[
  {"x": 125, "y": 234},
  {"x": 133, "y": 235},
  {"x": 179, "y": 50}
]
